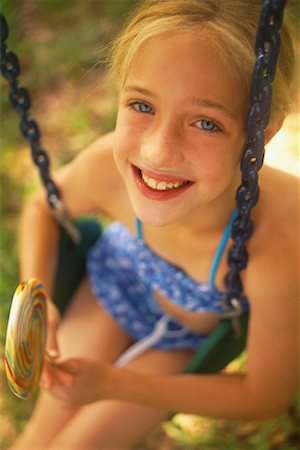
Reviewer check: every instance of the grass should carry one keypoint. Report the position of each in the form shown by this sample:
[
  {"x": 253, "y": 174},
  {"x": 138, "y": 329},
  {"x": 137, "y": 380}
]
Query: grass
[{"x": 61, "y": 42}]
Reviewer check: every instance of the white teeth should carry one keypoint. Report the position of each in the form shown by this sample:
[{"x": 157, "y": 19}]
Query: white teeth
[
  {"x": 151, "y": 183},
  {"x": 161, "y": 185}
]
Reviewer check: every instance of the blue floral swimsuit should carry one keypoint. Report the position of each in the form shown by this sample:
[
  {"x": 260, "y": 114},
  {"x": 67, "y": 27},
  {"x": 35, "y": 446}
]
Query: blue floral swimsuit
[{"x": 124, "y": 273}]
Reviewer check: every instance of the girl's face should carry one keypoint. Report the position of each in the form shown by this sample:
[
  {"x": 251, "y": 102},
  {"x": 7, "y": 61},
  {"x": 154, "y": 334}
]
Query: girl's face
[{"x": 180, "y": 130}]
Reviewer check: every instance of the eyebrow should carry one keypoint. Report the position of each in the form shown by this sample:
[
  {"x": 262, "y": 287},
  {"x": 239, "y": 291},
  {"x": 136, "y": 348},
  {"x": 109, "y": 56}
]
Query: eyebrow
[
  {"x": 140, "y": 90},
  {"x": 207, "y": 103},
  {"x": 202, "y": 102}
]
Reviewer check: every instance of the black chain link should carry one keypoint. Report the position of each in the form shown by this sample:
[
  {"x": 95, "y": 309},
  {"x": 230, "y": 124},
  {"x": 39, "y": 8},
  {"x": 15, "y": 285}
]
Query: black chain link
[
  {"x": 267, "y": 50},
  {"x": 20, "y": 100}
]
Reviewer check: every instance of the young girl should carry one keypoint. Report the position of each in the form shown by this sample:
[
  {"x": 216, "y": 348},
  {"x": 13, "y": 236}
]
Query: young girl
[{"x": 173, "y": 161}]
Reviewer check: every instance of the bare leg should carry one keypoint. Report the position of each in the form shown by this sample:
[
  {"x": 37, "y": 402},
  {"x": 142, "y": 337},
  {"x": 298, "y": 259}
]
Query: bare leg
[
  {"x": 119, "y": 425},
  {"x": 107, "y": 424},
  {"x": 87, "y": 330}
]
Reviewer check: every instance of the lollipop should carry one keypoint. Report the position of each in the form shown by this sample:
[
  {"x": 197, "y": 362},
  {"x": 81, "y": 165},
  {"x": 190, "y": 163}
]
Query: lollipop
[{"x": 26, "y": 338}]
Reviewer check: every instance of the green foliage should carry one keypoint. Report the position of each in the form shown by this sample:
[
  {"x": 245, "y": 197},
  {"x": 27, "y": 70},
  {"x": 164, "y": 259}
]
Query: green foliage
[
  {"x": 116, "y": 9},
  {"x": 194, "y": 432},
  {"x": 294, "y": 10}
]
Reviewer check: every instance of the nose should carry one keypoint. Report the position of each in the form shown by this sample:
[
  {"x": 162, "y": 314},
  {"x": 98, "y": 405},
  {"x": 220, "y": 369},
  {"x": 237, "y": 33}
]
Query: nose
[{"x": 162, "y": 147}]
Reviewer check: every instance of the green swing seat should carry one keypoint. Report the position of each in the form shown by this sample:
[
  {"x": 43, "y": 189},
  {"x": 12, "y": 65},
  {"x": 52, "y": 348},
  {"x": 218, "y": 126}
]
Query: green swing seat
[
  {"x": 71, "y": 261},
  {"x": 218, "y": 350}
]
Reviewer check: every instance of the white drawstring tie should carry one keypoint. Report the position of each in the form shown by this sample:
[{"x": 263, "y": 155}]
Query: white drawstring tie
[{"x": 160, "y": 330}]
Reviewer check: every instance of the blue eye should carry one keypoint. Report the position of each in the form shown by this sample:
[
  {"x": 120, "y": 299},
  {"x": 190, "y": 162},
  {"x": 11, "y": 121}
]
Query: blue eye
[
  {"x": 142, "y": 107},
  {"x": 207, "y": 125}
]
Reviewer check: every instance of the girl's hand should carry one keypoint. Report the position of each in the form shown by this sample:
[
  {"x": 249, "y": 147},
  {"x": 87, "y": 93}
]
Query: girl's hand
[
  {"x": 52, "y": 326},
  {"x": 52, "y": 349},
  {"x": 78, "y": 382}
]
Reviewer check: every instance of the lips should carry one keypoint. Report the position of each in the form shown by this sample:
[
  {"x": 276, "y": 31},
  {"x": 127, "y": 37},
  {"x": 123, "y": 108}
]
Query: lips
[{"x": 159, "y": 187}]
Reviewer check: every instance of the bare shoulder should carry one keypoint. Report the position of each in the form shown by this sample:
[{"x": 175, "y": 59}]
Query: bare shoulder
[
  {"x": 272, "y": 285},
  {"x": 274, "y": 247},
  {"x": 281, "y": 188},
  {"x": 277, "y": 216},
  {"x": 91, "y": 181},
  {"x": 97, "y": 159}
]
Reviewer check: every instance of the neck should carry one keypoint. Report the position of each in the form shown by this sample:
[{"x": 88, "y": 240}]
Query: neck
[
  {"x": 203, "y": 227},
  {"x": 205, "y": 221}
]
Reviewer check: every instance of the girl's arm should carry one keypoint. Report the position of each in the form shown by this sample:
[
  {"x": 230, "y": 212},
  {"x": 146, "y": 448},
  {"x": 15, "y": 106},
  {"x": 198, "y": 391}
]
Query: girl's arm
[
  {"x": 38, "y": 237},
  {"x": 270, "y": 384},
  {"x": 83, "y": 190},
  {"x": 265, "y": 391},
  {"x": 84, "y": 186}
]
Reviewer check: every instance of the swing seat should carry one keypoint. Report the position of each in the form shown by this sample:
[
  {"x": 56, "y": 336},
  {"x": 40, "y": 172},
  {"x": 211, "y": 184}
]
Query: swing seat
[
  {"x": 72, "y": 261},
  {"x": 218, "y": 350}
]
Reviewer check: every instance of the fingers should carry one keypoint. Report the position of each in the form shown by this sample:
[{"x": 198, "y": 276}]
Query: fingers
[
  {"x": 70, "y": 366},
  {"x": 64, "y": 379},
  {"x": 52, "y": 348},
  {"x": 59, "y": 373},
  {"x": 63, "y": 395},
  {"x": 60, "y": 391},
  {"x": 46, "y": 381},
  {"x": 71, "y": 380}
]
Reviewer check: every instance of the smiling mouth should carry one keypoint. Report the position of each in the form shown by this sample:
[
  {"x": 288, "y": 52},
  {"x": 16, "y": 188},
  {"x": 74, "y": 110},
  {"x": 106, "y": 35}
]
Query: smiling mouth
[{"x": 161, "y": 185}]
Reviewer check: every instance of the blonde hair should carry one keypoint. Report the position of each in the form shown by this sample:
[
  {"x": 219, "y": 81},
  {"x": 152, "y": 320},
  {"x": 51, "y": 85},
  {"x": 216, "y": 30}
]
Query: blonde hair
[{"x": 231, "y": 24}]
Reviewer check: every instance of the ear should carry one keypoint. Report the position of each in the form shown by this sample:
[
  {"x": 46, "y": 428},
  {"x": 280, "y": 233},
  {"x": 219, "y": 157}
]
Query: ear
[{"x": 273, "y": 128}]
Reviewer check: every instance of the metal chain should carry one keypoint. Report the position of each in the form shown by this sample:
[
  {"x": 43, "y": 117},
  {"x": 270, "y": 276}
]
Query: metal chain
[
  {"x": 267, "y": 50},
  {"x": 20, "y": 100}
]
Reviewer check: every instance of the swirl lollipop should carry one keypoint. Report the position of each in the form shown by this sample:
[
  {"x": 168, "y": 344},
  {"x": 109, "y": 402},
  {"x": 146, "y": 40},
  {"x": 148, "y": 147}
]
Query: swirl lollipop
[{"x": 26, "y": 338}]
